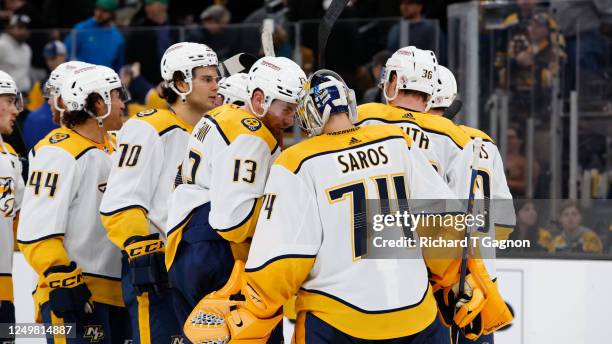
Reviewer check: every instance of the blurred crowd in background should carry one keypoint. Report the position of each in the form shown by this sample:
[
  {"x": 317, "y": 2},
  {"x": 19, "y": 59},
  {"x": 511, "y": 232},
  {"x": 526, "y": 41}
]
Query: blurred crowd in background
[{"x": 529, "y": 47}]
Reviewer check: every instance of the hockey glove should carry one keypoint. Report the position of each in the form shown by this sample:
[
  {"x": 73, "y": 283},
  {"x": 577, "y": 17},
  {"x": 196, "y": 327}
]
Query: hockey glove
[
  {"x": 147, "y": 268},
  {"x": 69, "y": 295},
  {"x": 221, "y": 316}
]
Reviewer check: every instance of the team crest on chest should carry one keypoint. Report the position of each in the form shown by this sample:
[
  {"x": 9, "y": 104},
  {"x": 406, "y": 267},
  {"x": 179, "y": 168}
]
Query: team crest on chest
[
  {"x": 253, "y": 124},
  {"x": 146, "y": 113},
  {"x": 58, "y": 137}
]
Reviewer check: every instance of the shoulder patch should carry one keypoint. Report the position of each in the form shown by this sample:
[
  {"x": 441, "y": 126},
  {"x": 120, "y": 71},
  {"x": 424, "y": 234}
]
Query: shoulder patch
[
  {"x": 146, "y": 113},
  {"x": 58, "y": 137},
  {"x": 253, "y": 124}
]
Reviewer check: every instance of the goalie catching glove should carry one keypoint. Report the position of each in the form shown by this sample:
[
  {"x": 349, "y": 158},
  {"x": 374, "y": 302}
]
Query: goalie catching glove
[
  {"x": 69, "y": 295},
  {"x": 222, "y": 315},
  {"x": 480, "y": 310},
  {"x": 147, "y": 266}
]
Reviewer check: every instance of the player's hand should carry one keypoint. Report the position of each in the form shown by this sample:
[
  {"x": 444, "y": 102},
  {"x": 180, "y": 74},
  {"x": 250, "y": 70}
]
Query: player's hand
[
  {"x": 147, "y": 268},
  {"x": 469, "y": 304},
  {"x": 69, "y": 295}
]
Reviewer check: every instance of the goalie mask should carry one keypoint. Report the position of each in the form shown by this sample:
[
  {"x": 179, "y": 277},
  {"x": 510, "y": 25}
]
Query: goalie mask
[
  {"x": 9, "y": 86},
  {"x": 325, "y": 94},
  {"x": 92, "y": 79},
  {"x": 446, "y": 89}
]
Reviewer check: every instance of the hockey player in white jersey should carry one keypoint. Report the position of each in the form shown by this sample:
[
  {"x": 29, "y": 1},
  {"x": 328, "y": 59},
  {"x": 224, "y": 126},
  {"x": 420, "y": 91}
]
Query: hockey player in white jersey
[
  {"x": 233, "y": 89},
  {"x": 308, "y": 236},
  {"x": 212, "y": 215},
  {"x": 11, "y": 191},
  {"x": 151, "y": 146},
  {"x": 409, "y": 81},
  {"x": 491, "y": 181},
  {"x": 60, "y": 232}
]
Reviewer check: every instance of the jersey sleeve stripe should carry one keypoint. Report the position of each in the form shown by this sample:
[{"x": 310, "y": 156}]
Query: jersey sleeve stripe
[
  {"x": 27, "y": 242},
  {"x": 227, "y": 141},
  {"x": 113, "y": 212},
  {"x": 170, "y": 128},
  {"x": 181, "y": 224},
  {"x": 286, "y": 256},
  {"x": 361, "y": 310},
  {"x": 247, "y": 218}
]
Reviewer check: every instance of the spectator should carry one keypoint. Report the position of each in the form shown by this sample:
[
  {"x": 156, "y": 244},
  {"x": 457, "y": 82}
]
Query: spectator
[
  {"x": 574, "y": 236},
  {"x": 374, "y": 93},
  {"x": 423, "y": 33},
  {"x": 8, "y": 9},
  {"x": 527, "y": 228},
  {"x": 534, "y": 60},
  {"x": 97, "y": 40},
  {"x": 214, "y": 32},
  {"x": 55, "y": 54},
  {"x": 15, "y": 53},
  {"x": 147, "y": 46},
  {"x": 516, "y": 164},
  {"x": 584, "y": 19}
]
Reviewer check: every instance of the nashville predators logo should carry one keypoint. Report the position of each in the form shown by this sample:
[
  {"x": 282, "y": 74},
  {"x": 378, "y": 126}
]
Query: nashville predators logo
[
  {"x": 93, "y": 333},
  {"x": 146, "y": 113},
  {"x": 253, "y": 124},
  {"x": 58, "y": 137},
  {"x": 7, "y": 196}
]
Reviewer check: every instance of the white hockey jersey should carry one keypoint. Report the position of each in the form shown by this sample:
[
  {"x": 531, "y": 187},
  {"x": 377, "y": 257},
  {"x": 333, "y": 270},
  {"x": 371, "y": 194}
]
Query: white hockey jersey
[
  {"x": 446, "y": 146},
  {"x": 491, "y": 185},
  {"x": 306, "y": 237},
  {"x": 59, "y": 219},
  {"x": 150, "y": 148},
  {"x": 11, "y": 193},
  {"x": 227, "y": 163}
]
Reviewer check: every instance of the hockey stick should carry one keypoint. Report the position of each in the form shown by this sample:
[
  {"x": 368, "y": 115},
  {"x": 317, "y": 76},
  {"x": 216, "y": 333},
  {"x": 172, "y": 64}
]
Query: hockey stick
[
  {"x": 327, "y": 23},
  {"x": 470, "y": 208},
  {"x": 267, "y": 41},
  {"x": 239, "y": 63},
  {"x": 453, "y": 109}
]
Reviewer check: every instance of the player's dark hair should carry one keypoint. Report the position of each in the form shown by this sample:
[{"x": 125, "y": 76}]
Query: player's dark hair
[
  {"x": 167, "y": 93},
  {"x": 73, "y": 118}
]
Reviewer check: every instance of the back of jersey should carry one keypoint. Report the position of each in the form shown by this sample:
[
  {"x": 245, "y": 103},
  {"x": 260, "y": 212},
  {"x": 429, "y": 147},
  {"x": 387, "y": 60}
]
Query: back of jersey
[
  {"x": 314, "y": 217},
  {"x": 447, "y": 148}
]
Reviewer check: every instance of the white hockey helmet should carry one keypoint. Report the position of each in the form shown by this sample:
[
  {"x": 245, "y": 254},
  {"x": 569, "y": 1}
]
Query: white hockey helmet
[
  {"x": 325, "y": 94},
  {"x": 53, "y": 85},
  {"x": 184, "y": 57},
  {"x": 416, "y": 70},
  {"x": 9, "y": 86},
  {"x": 446, "y": 89},
  {"x": 278, "y": 78},
  {"x": 87, "y": 80},
  {"x": 233, "y": 89}
]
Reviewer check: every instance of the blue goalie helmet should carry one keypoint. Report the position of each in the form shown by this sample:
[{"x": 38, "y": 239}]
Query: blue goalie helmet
[{"x": 325, "y": 93}]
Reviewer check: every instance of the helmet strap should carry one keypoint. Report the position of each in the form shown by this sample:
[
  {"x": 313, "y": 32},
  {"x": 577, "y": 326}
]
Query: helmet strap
[{"x": 183, "y": 95}]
